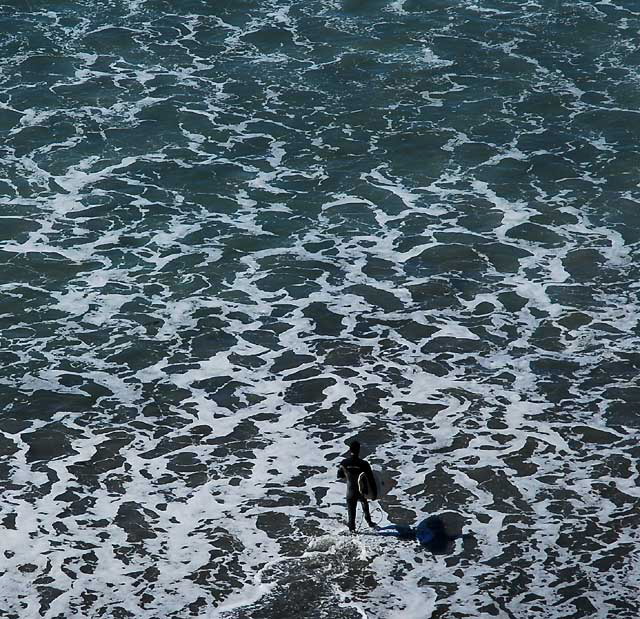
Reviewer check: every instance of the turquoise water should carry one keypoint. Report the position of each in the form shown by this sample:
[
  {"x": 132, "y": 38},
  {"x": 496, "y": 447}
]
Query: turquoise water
[{"x": 236, "y": 235}]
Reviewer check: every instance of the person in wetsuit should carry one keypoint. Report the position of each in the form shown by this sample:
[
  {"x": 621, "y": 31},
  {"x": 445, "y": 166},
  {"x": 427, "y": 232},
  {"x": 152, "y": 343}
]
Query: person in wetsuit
[{"x": 350, "y": 470}]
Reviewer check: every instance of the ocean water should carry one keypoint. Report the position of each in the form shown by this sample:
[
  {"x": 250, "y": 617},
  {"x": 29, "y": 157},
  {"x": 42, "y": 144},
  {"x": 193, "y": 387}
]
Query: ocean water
[{"x": 236, "y": 234}]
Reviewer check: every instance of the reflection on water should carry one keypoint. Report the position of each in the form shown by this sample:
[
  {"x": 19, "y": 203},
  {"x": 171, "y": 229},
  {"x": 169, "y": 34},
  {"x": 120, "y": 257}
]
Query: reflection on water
[{"x": 432, "y": 533}]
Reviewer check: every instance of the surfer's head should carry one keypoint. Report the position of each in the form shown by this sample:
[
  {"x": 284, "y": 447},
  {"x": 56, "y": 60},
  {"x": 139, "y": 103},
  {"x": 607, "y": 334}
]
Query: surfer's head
[{"x": 354, "y": 447}]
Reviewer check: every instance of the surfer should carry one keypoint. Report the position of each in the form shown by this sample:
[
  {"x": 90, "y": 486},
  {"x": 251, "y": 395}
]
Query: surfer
[
  {"x": 351, "y": 468},
  {"x": 430, "y": 532}
]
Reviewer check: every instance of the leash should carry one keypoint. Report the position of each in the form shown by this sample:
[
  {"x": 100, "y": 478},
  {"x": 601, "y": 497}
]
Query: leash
[{"x": 377, "y": 510}]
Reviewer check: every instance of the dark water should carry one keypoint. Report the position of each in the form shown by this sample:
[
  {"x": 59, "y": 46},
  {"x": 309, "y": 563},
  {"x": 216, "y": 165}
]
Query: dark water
[{"x": 236, "y": 234}]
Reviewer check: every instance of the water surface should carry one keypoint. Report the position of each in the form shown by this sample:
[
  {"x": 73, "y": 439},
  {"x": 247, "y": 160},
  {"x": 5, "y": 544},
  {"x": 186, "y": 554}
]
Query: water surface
[{"x": 236, "y": 234}]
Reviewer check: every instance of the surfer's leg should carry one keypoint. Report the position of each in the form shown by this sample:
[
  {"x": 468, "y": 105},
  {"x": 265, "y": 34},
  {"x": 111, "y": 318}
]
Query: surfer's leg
[
  {"x": 351, "y": 511},
  {"x": 367, "y": 515}
]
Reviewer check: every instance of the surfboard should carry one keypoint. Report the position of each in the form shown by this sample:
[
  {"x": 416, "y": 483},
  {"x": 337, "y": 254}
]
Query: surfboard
[{"x": 384, "y": 483}]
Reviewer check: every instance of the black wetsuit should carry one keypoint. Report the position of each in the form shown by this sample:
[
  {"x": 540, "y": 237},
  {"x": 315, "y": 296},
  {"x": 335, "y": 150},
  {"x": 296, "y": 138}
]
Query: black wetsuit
[{"x": 350, "y": 469}]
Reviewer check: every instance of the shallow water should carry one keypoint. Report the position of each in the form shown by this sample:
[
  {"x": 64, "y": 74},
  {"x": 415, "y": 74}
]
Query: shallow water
[{"x": 237, "y": 234}]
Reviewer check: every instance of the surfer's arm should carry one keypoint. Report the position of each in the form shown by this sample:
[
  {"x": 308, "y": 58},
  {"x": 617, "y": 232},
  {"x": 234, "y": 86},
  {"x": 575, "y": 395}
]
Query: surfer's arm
[{"x": 341, "y": 473}]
